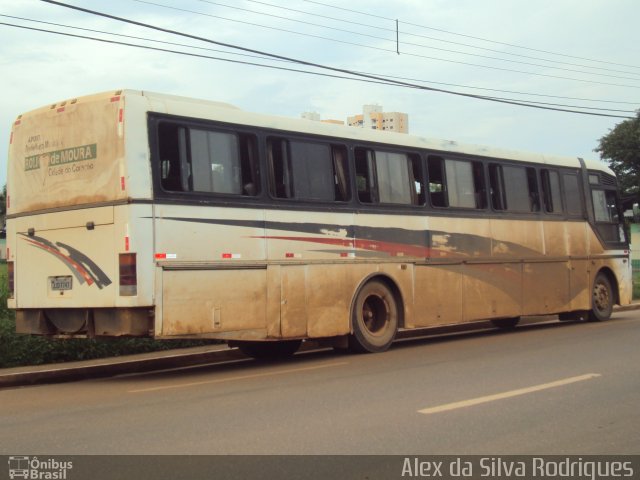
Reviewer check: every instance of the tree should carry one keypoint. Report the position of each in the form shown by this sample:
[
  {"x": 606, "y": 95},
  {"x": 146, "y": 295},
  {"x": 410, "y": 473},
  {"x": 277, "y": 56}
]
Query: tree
[{"x": 621, "y": 148}]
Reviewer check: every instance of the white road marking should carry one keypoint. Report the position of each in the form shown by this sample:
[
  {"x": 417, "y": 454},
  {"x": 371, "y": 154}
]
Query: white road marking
[
  {"x": 238, "y": 377},
  {"x": 509, "y": 394}
]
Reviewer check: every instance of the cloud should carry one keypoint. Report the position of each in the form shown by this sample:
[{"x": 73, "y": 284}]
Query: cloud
[{"x": 40, "y": 68}]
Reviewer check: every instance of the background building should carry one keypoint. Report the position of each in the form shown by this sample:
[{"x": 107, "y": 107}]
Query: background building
[
  {"x": 373, "y": 117},
  {"x": 315, "y": 116}
]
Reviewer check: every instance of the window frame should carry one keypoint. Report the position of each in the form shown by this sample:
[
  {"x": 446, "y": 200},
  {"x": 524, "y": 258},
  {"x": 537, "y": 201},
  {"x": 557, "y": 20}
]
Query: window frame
[
  {"x": 549, "y": 194},
  {"x": 501, "y": 194},
  {"x": 415, "y": 164},
  {"x": 580, "y": 193},
  {"x": 479, "y": 195},
  {"x": 342, "y": 185},
  {"x": 246, "y": 150}
]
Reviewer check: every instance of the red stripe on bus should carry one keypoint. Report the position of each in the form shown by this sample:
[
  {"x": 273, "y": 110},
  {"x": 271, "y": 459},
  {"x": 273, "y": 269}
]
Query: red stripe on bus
[{"x": 391, "y": 248}]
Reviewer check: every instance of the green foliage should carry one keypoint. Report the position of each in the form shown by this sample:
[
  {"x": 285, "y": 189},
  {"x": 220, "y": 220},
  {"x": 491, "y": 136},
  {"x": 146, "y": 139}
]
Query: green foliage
[{"x": 621, "y": 148}]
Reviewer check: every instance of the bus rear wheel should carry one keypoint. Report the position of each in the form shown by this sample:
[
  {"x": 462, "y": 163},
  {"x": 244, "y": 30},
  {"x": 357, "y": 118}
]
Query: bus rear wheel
[
  {"x": 269, "y": 350},
  {"x": 374, "y": 318},
  {"x": 602, "y": 299}
]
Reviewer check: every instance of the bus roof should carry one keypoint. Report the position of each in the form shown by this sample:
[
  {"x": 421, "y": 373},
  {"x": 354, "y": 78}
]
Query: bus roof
[{"x": 219, "y": 111}]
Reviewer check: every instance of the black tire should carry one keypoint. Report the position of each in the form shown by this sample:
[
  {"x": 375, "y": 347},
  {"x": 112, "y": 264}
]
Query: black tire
[
  {"x": 374, "y": 318},
  {"x": 269, "y": 350},
  {"x": 602, "y": 299},
  {"x": 505, "y": 323}
]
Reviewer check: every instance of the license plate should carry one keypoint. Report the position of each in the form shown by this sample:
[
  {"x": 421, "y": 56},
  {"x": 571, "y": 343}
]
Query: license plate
[{"x": 61, "y": 283}]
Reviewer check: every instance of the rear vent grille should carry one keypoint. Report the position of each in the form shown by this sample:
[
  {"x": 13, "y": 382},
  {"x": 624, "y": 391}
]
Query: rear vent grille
[{"x": 607, "y": 179}]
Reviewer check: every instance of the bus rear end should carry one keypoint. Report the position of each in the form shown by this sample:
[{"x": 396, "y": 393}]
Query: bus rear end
[{"x": 71, "y": 269}]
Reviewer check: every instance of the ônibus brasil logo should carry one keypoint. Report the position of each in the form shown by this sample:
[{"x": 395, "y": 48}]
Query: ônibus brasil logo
[{"x": 38, "y": 469}]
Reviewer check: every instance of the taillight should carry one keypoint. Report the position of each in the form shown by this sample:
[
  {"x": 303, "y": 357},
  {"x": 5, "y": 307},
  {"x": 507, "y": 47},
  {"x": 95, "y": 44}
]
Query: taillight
[
  {"x": 11, "y": 278},
  {"x": 128, "y": 275}
]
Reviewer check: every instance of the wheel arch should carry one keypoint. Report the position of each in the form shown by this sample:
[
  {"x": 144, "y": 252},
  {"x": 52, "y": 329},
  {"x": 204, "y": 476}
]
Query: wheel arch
[
  {"x": 611, "y": 276},
  {"x": 391, "y": 284}
]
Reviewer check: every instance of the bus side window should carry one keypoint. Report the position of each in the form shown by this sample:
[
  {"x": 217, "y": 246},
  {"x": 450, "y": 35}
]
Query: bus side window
[
  {"x": 172, "y": 154},
  {"x": 307, "y": 170},
  {"x": 534, "y": 195},
  {"x": 514, "y": 188},
  {"x": 465, "y": 184},
  {"x": 419, "y": 196},
  {"x": 496, "y": 187},
  {"x": 551, "y": 195},
  {"x": 388, "y": 177},
  {"x": 279, "y": 168},
  {"x": 605, "y": 206},
  {"x": 394, "y": 178},
  {"x": 341, "y": 173},
  {"x": 437, "y": 190},
  {"x": 456, "y": 183},
  {"x": 572, "y": 194},
  {"x": 364, "y": 175},
  {"x": 313, "y": 171},
  {"x": 215, "y": 162},
  {"x": 249, "y": 165}
]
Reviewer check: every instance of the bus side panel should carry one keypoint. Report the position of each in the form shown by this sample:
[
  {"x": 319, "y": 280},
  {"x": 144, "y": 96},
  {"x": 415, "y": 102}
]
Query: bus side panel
[
  {"x": 191, "y": 234},
  {"x": 438, "y": 295},
  {"x": 580, "y": 285},
  {"x": 439, "y": 289},
  {"x": 329, "y": 292},
  {"x": 545, "y": 288},
  {"x": 315, "y": 291},
  {"x": 293, "y": 301},
  {"x": 196, "y": 302},
  {"x": 492, "y": 290},
  {"x": 577, "y": 235}
]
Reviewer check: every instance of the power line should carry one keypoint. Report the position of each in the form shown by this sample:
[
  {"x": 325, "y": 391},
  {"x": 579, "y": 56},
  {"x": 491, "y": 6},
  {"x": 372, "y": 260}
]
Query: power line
[
  {"x": 394, "y": 31},
  {"x": 458, "y": 62},
  {"x": 129, "y": 36},
  {"x": 473, "y": 37},
  {"x": 366, "y": 73},
  {"x": 382, "y": 82},
  {"x": 472, "y": 87},
  {"x": 311, "y": 64}
]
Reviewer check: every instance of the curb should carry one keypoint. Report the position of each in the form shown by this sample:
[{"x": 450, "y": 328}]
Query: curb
[
  {"x": 108, "y": 367},
  {"x": 145, "y": 362}
]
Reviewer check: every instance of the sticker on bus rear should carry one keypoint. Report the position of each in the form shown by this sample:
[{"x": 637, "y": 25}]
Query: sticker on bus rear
[{"x": 82, "y": 267}]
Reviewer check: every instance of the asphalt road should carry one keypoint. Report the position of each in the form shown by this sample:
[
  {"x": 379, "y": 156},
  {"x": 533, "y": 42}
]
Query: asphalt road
[{"x": 544, "y": 388}]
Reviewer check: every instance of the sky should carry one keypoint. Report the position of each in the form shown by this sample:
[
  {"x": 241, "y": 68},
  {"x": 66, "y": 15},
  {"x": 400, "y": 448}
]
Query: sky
[{"x": 576, "y": 54}]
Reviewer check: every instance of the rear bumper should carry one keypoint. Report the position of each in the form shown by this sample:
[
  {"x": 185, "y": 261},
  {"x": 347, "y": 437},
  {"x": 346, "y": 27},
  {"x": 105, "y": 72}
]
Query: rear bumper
[{"x": 85, "y": 322}]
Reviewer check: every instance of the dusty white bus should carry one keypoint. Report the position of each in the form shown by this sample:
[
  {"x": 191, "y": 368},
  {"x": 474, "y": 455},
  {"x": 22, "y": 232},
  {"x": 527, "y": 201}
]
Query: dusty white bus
[{"x": 136, "y": 213}]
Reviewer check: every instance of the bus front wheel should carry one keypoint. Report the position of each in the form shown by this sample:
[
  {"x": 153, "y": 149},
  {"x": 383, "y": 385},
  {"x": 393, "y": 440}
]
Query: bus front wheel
[
  {"x": 602, "y": 298},
  {"x": 374, "y": 318}
]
